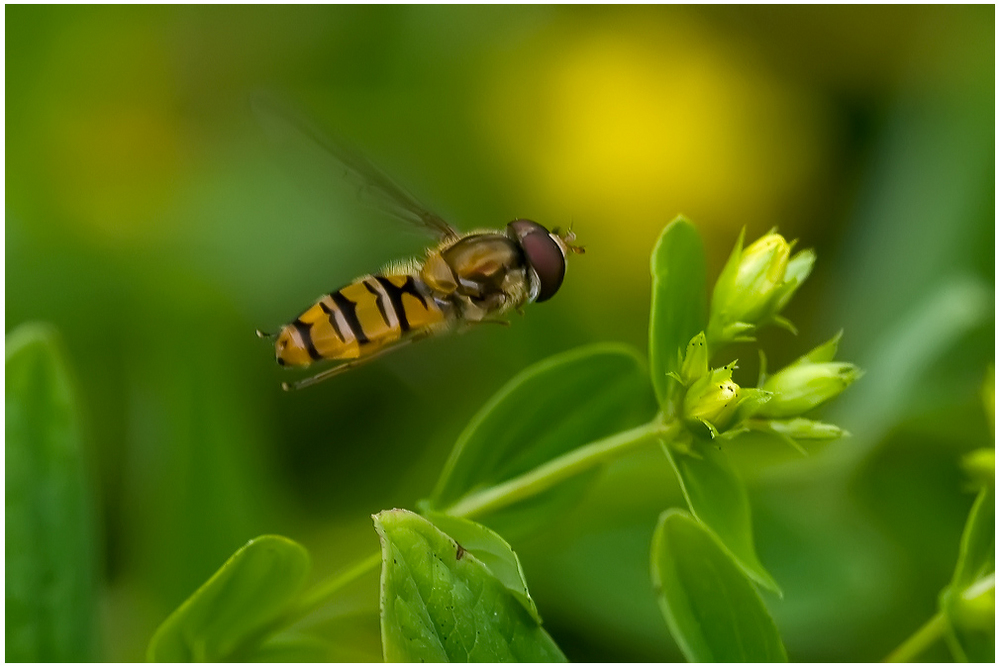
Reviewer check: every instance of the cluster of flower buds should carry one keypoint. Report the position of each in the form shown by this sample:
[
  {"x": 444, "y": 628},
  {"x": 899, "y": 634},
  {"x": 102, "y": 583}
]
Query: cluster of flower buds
[
  {"x": 753, "y": 288},
  {"x": 755, "y": 285},
  {"x": 714, "y": 402}
]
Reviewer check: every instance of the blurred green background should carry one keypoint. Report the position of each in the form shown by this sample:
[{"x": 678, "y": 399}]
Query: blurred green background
[{"x": 153, "y": 223}]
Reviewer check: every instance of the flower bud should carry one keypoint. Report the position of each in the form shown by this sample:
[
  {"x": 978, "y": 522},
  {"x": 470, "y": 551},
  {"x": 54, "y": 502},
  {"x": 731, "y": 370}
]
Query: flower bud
[
  {"x": 756, "y": 283},
  {"x": 761, "y": 271},
  {"x": 808, "y": 382},
  {"x": 716, "y": 403},
  {"x": 712, "y": 399}
]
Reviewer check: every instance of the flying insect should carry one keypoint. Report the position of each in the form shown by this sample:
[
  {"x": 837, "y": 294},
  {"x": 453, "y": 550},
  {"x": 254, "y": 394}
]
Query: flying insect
[{"x": 465, "y": 279}]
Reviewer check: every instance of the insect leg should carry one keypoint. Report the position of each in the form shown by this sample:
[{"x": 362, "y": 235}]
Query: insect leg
[
  {"x": 469, "y": 324},
  {"x": 329, "y": 373}
]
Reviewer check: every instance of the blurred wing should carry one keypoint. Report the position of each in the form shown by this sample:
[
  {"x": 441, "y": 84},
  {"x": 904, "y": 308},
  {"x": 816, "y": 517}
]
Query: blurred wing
[{"x": 372, "y": 184}]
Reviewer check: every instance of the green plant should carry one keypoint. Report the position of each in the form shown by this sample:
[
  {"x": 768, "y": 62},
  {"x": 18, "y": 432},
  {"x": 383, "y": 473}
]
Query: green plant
[
  {"x": 967, "y": 604},
  {"x": 453, "y": 589}
]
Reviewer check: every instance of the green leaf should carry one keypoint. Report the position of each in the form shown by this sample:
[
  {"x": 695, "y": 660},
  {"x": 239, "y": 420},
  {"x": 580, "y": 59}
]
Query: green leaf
[
  {"x": 695, "y": 364},
  {"x": 799, "y": 267},
  {"x": 293, "y": 649},
  {"x": 712, "y": 610},
  {"x": 227, "y": 616},
  {"x": 49, "y": 553},
  {"x": 493, "y": 551},
  {"x": 968, "y": 601},
  {"x": 717, "y": 497},
  {"x": 989, "y": 395},
  {"x": 549, "y": 409},
  {"x": 320, "y": 645},
  {"x": 440, "y": 603},
  {"x": 678, "y": 309}
]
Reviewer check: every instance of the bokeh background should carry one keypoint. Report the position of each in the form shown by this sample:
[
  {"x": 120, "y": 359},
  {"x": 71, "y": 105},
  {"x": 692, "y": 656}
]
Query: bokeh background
[{"x": 152, "y": 221}]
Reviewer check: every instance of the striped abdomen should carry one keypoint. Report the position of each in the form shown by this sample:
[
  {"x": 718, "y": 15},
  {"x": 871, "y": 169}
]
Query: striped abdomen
[{"x": 358, "y": 320}]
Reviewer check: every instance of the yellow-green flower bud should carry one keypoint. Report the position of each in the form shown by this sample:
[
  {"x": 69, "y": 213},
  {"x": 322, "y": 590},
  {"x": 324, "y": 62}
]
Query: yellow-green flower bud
[
  {"x": 712, "y": 399},
  {"x": 756, "y": 283},
  {"x": 975, "y": 607},
  {"x": 809, "y": 381},
  {"x": 760, "y": 273}
]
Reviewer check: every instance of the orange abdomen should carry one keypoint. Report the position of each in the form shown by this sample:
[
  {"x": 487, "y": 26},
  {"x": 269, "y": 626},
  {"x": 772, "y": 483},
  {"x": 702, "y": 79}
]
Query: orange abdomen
[{"x": 358, "y": 320}]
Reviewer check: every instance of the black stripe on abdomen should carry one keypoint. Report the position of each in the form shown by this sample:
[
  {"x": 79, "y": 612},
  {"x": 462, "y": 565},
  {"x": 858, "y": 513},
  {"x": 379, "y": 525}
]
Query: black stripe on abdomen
[
  {"x": 332, "y": 317},
  {"x": 396, "y": 297},
  {"x": 303, "y": 330},
  {"x": 379, "y": 303},
  {"x": 349, "y": 309}
]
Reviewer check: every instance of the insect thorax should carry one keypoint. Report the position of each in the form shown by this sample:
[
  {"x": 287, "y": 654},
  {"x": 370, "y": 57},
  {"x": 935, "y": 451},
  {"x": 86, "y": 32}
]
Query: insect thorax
[{"x": 481, "y": 274}]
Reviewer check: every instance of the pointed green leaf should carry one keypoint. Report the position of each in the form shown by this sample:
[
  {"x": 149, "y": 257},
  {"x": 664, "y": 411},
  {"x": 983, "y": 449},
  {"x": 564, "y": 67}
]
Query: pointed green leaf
[
  {"x": 337, "y": 640},
  {"x": 824, "y": 352},
  {"x": 49, "y": 553},
  {"x": 798, "y": 270},
  {"x": 228, "y": 616},
  {"x": 721, "y": 329},
  {"x": 750, "y": 401},
  {"x": 440, "y": 603},
  {"x": 493, "y": 551},
  {"x": 798, "y": 428},
  {"x": 717, "y": 497},
  {"x": 968, "y": 601},
  {"x": 712, "y": 610},
  {"x": 549, "y": 409},
  {"x": 678, "y": 309},
  {"x": 695, "y": 364}
]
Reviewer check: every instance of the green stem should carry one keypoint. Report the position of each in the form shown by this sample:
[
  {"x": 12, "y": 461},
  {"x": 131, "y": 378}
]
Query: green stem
[
  {"x": 923, "y": 638},
  {"x": 493, "y": 498},
  {"x": 547, "y": 475},
  {"x": 325, "y": 590}
]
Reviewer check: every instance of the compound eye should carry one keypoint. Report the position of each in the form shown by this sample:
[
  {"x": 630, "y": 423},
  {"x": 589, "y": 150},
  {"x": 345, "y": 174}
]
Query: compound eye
[{"x": 545, "y": 257}]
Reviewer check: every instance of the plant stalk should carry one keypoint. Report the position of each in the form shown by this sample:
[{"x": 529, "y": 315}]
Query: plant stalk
[
  {"x": 549, "y": 474},
  {"x": 921, "y": 639},
  {"x": 326, "y": 589}
]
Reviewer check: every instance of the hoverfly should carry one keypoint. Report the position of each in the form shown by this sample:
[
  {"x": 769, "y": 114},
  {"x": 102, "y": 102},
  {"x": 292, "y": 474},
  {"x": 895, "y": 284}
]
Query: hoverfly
[{"x": 466, "y": 279}]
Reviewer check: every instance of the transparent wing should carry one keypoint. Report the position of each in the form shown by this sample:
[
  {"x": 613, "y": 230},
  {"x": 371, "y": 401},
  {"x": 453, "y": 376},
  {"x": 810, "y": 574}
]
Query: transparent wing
[{"x": 372, "y": 184}]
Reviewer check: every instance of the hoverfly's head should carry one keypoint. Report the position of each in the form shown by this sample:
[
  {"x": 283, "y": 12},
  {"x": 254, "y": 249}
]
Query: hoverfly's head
[{"x": 545, "y": 253}]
